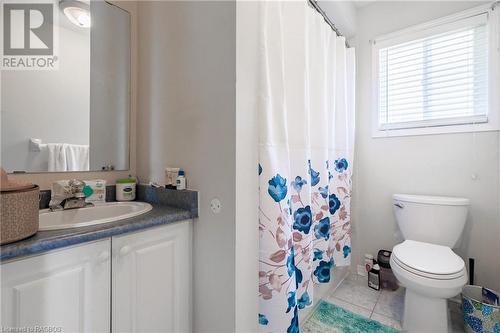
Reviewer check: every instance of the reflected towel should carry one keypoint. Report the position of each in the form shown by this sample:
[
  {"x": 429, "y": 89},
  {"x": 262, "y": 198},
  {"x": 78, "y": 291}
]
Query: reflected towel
[
  {"x": 57, "y": 157},
  {"x": 77, "y": 157},
  {"x": 68, "y": 157}
]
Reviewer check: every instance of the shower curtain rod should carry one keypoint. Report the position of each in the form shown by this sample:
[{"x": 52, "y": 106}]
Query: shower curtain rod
[{"x": 315, "y": 5}]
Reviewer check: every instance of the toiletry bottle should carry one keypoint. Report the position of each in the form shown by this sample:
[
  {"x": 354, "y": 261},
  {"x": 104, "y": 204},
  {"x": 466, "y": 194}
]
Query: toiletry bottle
[
  {"x": 181, "y": 180},
  {"x": 368, "y": 262},
  {"x": 374, "y": 277}
]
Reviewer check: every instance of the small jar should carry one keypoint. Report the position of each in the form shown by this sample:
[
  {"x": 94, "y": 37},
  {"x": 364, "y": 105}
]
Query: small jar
[{"x": 125, "y": 189}]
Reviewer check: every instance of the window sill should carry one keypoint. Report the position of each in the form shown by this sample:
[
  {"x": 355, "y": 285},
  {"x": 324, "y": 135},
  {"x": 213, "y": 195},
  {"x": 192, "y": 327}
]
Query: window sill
[{"x": 464, "y": 128}]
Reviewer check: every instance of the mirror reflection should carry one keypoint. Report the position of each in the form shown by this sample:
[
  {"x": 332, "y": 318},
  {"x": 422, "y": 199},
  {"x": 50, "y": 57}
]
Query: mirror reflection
[{"x": 76, "y": 116}]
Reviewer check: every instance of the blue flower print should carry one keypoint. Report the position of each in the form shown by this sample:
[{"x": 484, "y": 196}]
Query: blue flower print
[
  {"x": 346, "y": 249},
  {"x": 486, "y": 309},
  {"x": 290, "y": 264},
  {"x": 292, "y": 301},
  {"x": 322, "y": 229},
  {"x": 277, "y": 188},
  {"x": 341, "y": 165},
  {"x": 467, "y": 306},
  {"x": 318, "y": 254},
  {"x": 496, "y": 328},
  {"x": 475, "y": 324},
  {"x": 304, "y": 300},
  {"x": 263, "y": 319},
  {"x": 324, "y": 191},
  {"x": 289, "y": 204},
  {"x": 303, "y": 219},
  {"x": 322, "y": 272},
  {"x": 298, "y": 276},
  {"x": 333, "y": 203},
  {"x": 260, "y": 169},
  {"x": 298, "y": 183},
  {"x": 292, "y": 269},
  {"x": 294, "y": 324},
  {"x": 314, "y": 175}
]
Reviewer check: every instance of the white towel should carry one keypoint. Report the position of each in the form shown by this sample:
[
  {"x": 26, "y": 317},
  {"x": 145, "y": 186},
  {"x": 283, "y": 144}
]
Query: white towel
[
  {"x": 57, "y": 157},
  {"x": 68, "y": 157},
  {"x": 77, "y": 157}
]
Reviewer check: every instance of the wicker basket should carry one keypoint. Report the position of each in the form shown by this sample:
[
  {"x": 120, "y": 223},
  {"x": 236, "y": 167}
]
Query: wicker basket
[{"x": 19, "y": 214}]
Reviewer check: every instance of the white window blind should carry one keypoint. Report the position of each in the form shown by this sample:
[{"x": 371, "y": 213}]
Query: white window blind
[{"x": 440, "y": 79}]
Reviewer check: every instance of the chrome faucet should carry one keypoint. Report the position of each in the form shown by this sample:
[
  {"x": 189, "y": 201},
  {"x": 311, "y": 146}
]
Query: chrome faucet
[{"x": 73, "y": 196}]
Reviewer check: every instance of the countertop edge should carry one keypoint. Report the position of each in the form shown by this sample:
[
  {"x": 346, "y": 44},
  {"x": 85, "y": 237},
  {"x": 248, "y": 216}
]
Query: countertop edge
[{"x": 133, "y": 224}]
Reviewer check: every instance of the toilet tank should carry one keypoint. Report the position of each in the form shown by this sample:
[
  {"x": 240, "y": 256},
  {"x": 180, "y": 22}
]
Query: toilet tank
[{"x": 431, "y": 219}]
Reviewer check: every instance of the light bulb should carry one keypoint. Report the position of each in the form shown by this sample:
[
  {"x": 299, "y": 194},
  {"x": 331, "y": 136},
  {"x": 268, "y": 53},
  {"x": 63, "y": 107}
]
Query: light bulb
[{"x": 84, "y": 20}]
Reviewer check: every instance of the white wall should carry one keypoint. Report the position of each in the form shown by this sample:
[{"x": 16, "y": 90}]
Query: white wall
[
  {"x": 187, "y": 92},
  {"x": 433, "y": 164},
  {"x": 247, "y": 179},
  {"x": 34, "y": 102}
]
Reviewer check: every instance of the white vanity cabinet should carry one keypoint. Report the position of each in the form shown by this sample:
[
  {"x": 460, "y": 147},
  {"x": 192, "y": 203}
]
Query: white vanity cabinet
[
  {"x": 137, "y": 282},
  {"x": 151, "y": 280},
  {"x": 67, "y": 289}
]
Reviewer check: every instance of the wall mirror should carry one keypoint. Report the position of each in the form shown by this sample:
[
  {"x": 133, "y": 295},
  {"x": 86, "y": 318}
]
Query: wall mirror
[{"x": 75, "y": 117}]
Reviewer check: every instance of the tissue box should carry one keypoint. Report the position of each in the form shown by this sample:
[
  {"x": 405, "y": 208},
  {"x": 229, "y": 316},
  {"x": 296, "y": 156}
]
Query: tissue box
[{"x": 19, "y": 214}]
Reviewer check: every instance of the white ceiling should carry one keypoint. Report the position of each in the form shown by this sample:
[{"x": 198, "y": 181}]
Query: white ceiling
[
  {"x": 342, "y": 14},
  {"x": 362, "y": 3}
]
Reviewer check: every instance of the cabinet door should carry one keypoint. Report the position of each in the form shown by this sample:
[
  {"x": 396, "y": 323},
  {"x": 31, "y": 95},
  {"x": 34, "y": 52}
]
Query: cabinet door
[
  {"x": 152, "y": 280},
  {"x": 67, "y": 289}
]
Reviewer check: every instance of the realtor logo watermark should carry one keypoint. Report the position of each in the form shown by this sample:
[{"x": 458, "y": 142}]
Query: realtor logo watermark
[{"x": 29, "y": 32}]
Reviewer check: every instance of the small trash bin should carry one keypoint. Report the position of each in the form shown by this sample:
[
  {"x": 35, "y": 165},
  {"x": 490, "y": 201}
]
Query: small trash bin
[
  {"x": 478, "y": 315},
  {"x": 387, "y": 278}
]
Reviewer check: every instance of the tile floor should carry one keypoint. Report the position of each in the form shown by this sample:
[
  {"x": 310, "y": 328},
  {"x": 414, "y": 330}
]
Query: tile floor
[{"x": 384, "y": 306}]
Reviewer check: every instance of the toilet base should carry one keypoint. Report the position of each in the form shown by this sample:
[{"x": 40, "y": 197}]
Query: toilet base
[{"x": 425, "y": 314}]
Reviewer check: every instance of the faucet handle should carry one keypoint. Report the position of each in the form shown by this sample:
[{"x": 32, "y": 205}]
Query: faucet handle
[{"x": 76, "y": 186}]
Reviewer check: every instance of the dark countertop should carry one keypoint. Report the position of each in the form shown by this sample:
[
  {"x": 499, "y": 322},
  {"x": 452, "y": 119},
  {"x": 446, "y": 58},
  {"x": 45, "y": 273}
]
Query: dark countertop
[{"x": 48, "y": 240}]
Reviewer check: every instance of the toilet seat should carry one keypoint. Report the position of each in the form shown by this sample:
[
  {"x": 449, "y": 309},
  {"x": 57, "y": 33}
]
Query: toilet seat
[
  {"x": 428, "y": 260},
  {"x": 429, "y": 275}
]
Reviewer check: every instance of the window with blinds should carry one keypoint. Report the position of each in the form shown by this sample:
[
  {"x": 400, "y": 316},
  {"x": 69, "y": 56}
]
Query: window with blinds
[{"x": 436, "y": 80}]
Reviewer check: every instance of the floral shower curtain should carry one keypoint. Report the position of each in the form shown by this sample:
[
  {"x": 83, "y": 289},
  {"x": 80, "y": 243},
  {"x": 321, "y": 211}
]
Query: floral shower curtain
[{"x": 306, "y": 139}]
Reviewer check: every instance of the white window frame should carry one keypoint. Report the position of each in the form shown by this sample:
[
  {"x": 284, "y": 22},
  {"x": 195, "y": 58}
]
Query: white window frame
[{"x": 492, "y": 123}]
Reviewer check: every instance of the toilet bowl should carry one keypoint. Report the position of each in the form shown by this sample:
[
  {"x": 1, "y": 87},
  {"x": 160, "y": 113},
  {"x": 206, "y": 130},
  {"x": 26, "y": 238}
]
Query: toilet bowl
[
  {"x": 425, "y": 263},
  {"x": 431, "y": 274}
]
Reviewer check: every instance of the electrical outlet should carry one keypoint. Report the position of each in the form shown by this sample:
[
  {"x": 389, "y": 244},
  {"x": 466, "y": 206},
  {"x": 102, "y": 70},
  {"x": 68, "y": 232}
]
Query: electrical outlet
[{"x": 215, "y": 206}]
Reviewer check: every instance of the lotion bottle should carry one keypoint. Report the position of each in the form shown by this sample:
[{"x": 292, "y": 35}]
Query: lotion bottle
[{"x": 181, "y": 180}]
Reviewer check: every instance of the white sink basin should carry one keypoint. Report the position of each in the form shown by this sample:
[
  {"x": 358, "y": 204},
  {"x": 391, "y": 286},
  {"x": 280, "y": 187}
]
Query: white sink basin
[{"x": 98, "y": 214}]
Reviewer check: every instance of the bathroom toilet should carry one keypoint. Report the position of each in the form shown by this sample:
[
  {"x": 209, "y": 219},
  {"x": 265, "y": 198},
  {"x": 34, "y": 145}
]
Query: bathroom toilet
[{"x": 425, "y": 263}]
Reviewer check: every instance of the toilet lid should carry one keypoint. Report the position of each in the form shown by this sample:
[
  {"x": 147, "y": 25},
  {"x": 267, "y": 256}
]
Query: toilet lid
[{"x": 428, "y": 259}]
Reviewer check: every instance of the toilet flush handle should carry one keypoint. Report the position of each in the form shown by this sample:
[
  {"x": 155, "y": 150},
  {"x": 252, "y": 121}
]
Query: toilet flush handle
[{"x": 399, "y": 205}]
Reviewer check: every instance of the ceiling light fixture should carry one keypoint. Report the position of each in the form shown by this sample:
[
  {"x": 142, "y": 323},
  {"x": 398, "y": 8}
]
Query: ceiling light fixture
[{"x": 77, "y": 12}]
